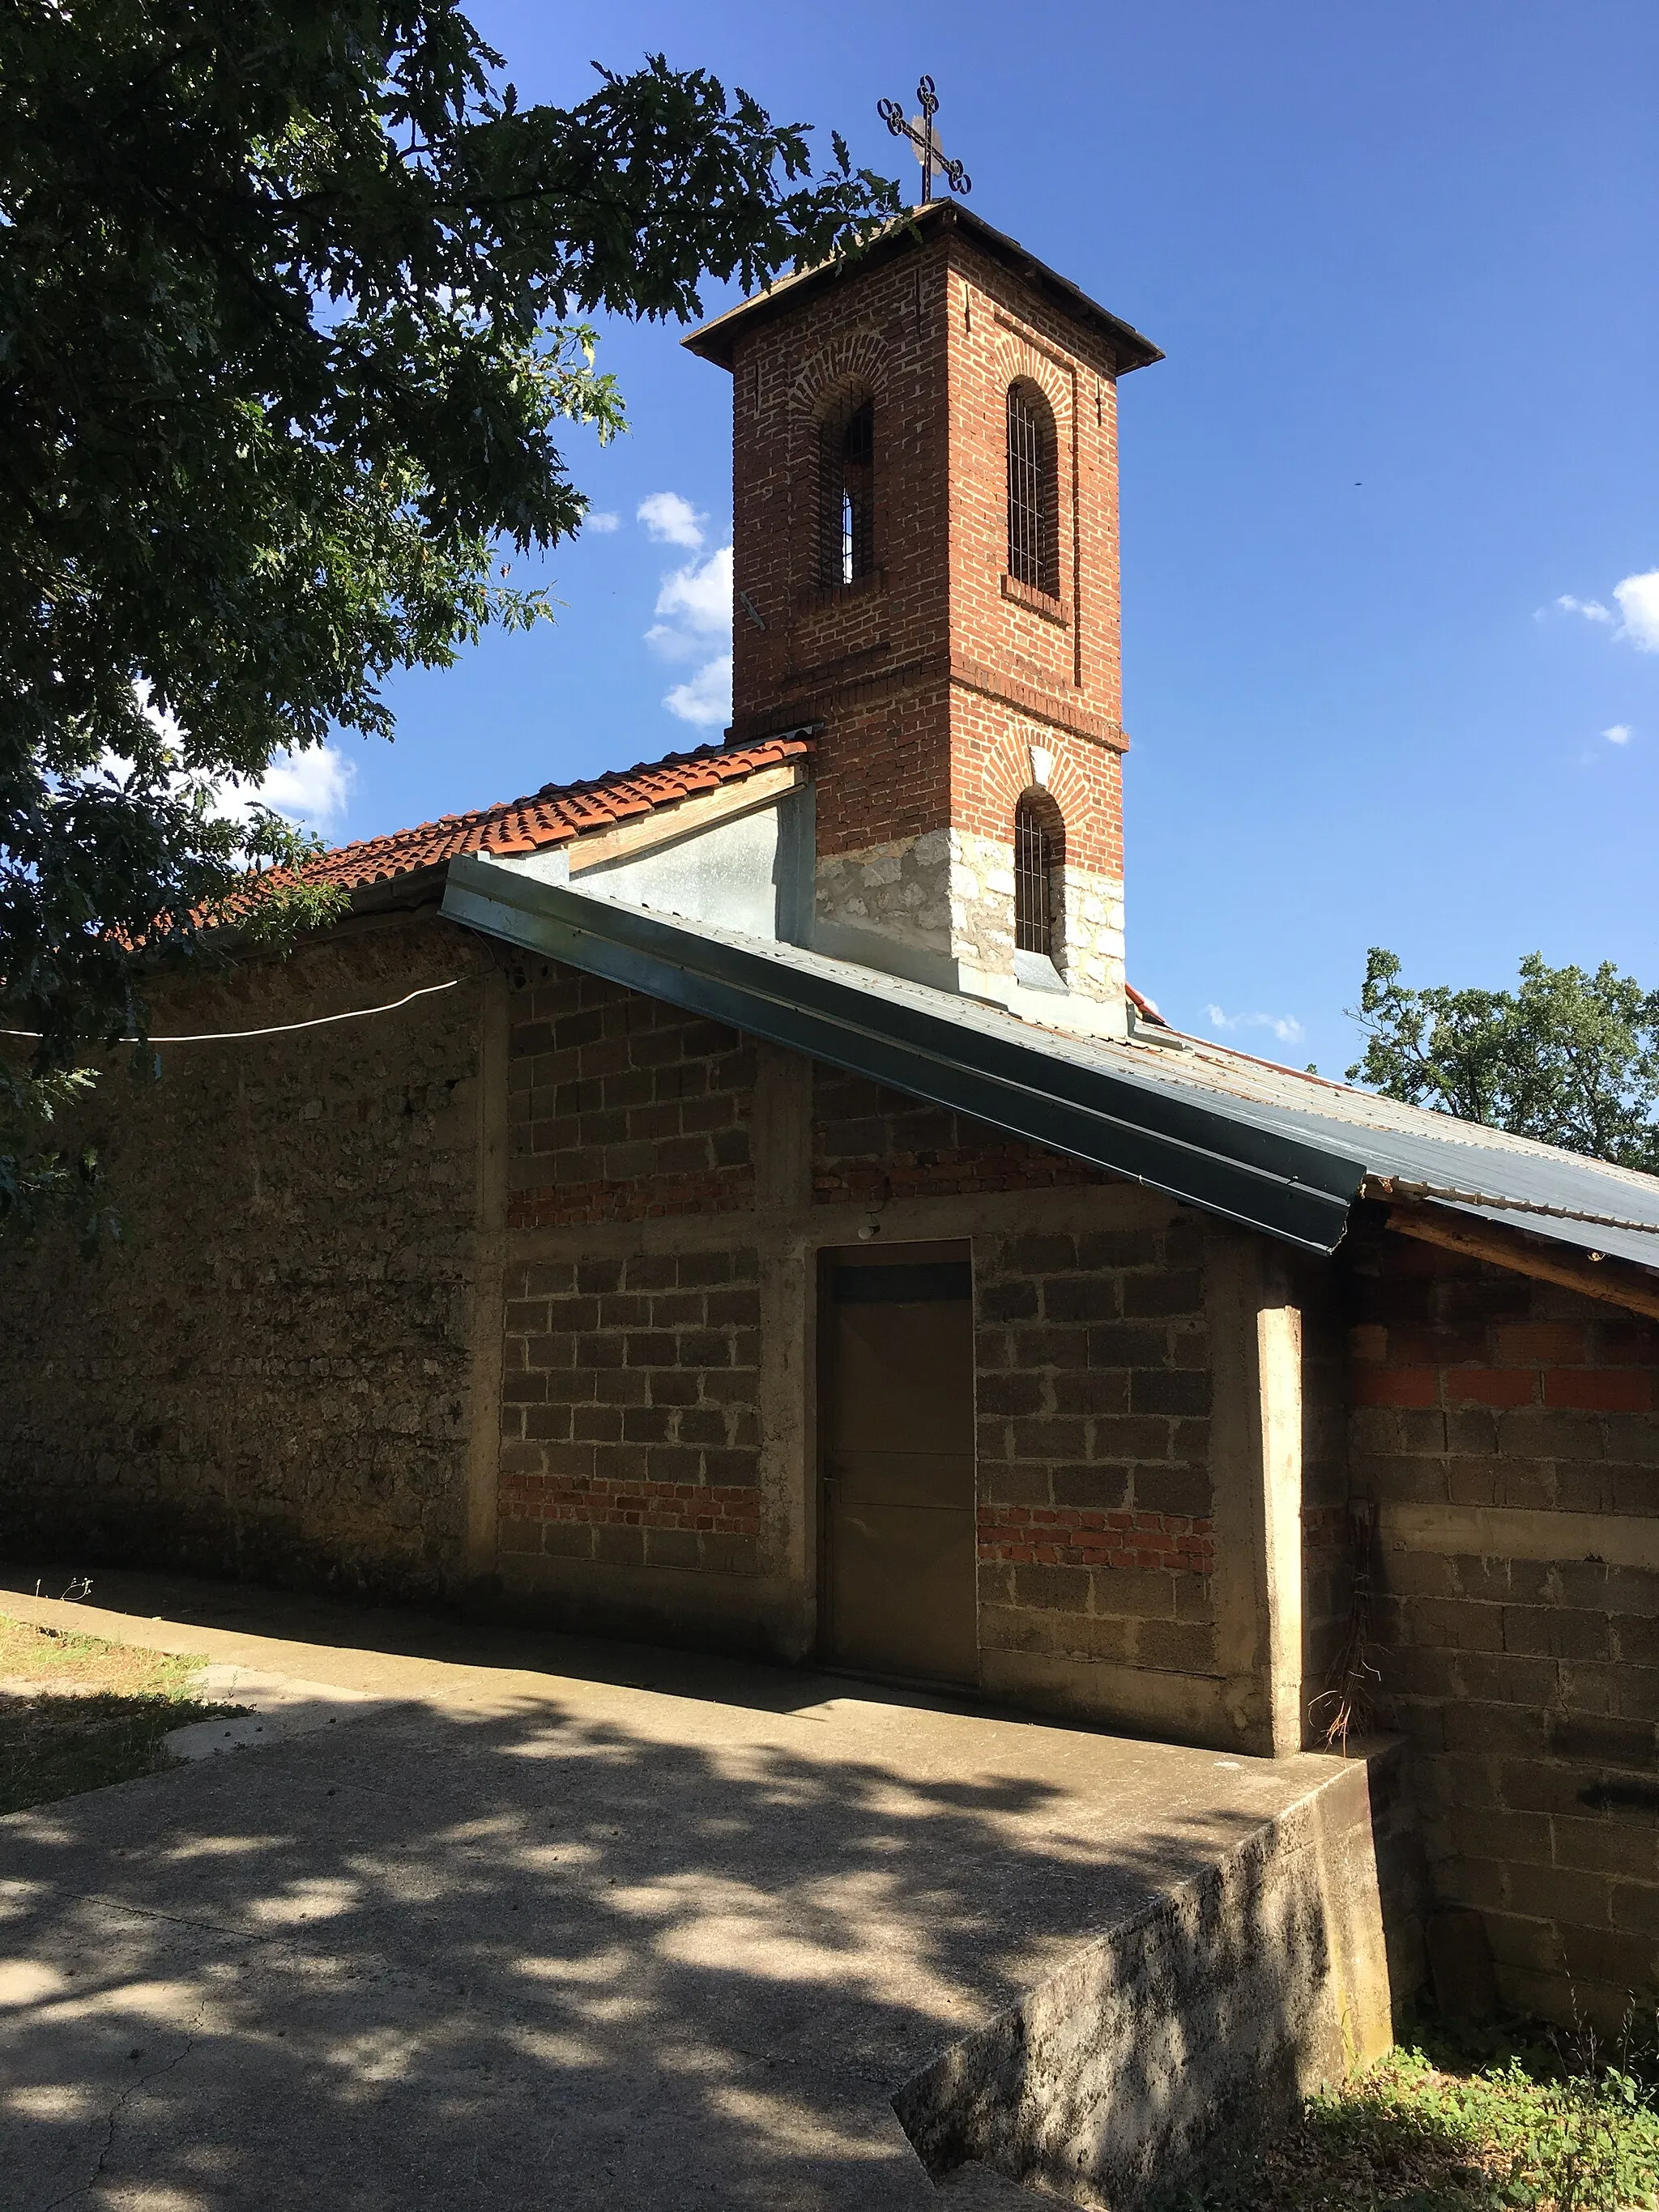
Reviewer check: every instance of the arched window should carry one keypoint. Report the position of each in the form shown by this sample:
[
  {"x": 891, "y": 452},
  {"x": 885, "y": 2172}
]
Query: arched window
[
  {"x": 1033, "y": 491},
  {"x": 847, "y": 492},
  {"x": 1039, "y": 861}
]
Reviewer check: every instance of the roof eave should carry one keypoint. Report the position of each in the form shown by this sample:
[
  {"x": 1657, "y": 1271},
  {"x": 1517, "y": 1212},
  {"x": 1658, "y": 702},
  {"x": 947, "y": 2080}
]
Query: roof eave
[
  {"x": 715, "y": 341},
  {"x": 1295, "y": 1192}
]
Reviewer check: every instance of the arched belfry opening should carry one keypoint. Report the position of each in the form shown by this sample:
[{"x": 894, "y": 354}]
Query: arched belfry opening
[
  {"x": 925, "y": 575},
  {"x": 1039, "y": 876},
  {"x": 1033, "y": 489},
  {"x": 846, "y": 489}
]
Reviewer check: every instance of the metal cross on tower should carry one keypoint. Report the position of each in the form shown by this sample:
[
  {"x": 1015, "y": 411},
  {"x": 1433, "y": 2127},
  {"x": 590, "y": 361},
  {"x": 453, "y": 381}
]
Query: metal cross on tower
[{"x": 919, "y": 130}]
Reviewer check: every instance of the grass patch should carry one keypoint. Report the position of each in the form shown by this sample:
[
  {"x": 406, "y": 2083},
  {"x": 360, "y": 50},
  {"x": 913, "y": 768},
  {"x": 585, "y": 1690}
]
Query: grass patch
[
  {"x": 1459, "y": 2119},
  {"x": 76, "y": 1712}
]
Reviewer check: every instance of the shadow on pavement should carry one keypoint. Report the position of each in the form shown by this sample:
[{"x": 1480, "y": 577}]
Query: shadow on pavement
[{"x": 530, "y": 1956}]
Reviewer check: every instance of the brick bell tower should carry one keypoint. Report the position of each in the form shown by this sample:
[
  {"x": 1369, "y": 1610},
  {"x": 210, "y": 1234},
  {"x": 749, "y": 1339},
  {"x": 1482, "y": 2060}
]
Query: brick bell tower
[{"x": 926, "y": 569}]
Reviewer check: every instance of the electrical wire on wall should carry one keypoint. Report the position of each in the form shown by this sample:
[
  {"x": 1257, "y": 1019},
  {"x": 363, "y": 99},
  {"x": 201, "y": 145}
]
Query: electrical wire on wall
[{"x": 279, "y": 1029}]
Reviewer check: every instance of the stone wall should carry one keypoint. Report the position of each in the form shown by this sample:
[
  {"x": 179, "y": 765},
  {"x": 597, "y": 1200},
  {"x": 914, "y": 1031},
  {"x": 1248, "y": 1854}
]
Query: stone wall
[
  {"x": 270, "y": 1376},
  {"x": 940, "y": 907},
  {"x": 1088, "y": 949},
  {"x": 899, "y": 891},
  {"x": 1508, "y": 1433}
]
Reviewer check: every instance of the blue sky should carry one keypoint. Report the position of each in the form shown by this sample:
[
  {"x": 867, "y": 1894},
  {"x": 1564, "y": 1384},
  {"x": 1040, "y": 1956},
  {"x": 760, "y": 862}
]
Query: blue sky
[{"x": 1402, "y": 263}]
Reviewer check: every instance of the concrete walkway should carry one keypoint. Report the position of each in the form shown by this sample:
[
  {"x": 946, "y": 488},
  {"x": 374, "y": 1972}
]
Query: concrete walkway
[{"x": 562, "y": 1925}]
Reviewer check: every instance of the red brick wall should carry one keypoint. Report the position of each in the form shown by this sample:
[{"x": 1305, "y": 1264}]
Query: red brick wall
[
  {"x": 621, "y": 1108},
  {"x": 1327, "y": 1542},
  {"x": 1525, "y": 1668},
  {"x": 631, "y": 1432},
  {"x": 929, "y": 680},
  {"x": 871, "y": 1145}
]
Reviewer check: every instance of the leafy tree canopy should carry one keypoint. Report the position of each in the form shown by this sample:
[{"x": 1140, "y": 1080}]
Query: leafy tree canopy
[
  {"x": 291, "y": 306},
  {"x": 284, "y": 339},
  {"x": 1569, "y": 1057}
]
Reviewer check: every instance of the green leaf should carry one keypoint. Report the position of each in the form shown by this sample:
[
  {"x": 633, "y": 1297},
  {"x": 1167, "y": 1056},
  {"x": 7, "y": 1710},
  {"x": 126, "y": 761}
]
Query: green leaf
[{"x": 1571, "y": 1057}]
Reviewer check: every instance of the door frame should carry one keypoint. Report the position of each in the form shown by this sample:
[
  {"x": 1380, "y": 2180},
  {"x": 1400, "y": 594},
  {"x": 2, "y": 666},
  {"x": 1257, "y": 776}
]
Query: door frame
[{"x": 902, "y": 1251}]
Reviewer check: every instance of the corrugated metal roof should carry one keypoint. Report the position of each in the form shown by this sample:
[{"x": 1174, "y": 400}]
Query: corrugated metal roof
[
  {"x": 1283, "y": 1152},
  {"x": 1418, "y": 1146}
]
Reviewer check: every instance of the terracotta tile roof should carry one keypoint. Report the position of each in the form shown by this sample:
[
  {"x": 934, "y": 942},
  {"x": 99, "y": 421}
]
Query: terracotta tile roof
[{"x": 555, "y": 814}]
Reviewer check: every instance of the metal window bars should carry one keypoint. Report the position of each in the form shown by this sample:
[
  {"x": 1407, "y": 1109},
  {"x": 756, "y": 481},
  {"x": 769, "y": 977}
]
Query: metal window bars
[
  {"x": 847, "y": 515},
  {"x": 1034, "y": 895},
  {"x": 1030, "y": 491}
]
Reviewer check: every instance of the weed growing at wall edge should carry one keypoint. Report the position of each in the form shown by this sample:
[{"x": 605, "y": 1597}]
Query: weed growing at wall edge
[{"x": 1518, "y": 2120}]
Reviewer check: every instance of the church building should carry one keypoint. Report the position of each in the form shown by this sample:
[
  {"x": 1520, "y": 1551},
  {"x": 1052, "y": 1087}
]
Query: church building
[{"x": 754, "y": 1210}]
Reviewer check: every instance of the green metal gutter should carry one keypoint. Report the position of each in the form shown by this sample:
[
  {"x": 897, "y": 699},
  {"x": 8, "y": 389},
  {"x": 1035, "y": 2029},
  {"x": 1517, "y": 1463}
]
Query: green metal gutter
[{"x": 1164, "y": 1138}]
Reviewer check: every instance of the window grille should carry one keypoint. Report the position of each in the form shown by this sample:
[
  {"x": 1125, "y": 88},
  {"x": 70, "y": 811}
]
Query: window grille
[
  {"x": 1036, "y": 857},
  {"x": 1033, "y": 542},
  {"x": 847, "y": 475}
]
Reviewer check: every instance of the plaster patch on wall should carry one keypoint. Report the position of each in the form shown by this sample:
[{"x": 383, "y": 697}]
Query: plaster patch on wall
[{"x": 901, "y": 890}]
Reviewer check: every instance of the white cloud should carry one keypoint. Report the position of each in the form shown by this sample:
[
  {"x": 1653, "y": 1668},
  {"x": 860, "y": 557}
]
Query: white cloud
[
  {"x": 1592, "y": 609},
  {"x": 1285, "y": 1027},
  {"x": 706, "y": 697},
  {"x": 1639, "y": 603},
  {"x": 694, "y": 618},
  {"x": 1618, "y": 734},
  {"x": 1638, "y": 619},
  {"x": 310, "y": 787},
  {"x": 167, "y": 728},
  {"x": 694, "y": 605},
  {"x": 671, "y": 520},
  {"x": 603, "y": 523}
]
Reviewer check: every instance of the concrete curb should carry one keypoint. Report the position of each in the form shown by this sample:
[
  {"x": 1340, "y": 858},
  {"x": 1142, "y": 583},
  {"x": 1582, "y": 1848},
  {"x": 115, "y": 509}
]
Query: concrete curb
[{"x": 281, "y": 1707}]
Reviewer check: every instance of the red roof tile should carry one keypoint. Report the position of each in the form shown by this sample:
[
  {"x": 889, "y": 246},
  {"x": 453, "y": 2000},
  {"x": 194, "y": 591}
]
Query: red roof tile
[{"x": 554, "y": 815}]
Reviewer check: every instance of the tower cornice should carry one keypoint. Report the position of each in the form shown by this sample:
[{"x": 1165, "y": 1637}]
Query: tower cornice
[{"x": 717, "y": 340}]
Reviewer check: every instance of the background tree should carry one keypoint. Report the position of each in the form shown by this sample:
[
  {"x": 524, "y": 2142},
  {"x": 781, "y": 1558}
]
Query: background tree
[
  {"x": 286, "y": 302},
  {"x": 1569, "y": 1057}
]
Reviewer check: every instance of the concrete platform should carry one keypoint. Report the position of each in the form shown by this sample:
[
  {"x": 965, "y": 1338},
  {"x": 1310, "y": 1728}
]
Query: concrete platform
[{"x": 556, "y": 1923}]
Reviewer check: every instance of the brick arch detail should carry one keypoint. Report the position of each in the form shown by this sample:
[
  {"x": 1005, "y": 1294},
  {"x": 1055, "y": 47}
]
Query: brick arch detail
[
  {"x": 1019, "y": 360},
  {"x": 856, "y": 357},
  {"x": 1083, "y": 783}
]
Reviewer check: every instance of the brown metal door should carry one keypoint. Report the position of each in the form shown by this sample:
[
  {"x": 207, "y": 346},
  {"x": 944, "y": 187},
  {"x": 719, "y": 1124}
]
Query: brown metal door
[{"x": 896, "y": 1425}]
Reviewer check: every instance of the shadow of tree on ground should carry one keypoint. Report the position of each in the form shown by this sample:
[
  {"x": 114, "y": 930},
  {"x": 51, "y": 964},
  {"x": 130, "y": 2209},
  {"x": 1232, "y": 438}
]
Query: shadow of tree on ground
[
  {"x": 77, "y": 1712},
  {"x": 1450, "y": 2133},
  {"x": 607, "y": 1951}
]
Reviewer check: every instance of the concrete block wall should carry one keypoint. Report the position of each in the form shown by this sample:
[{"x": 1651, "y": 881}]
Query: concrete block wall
[
  {"x": 619, "y": 1105},
  {"x": 272, "y": 1374},
  {"x": 1329, "y": 1535},
  {"x": 871, "y": 1145},
  {"x": 1508, "y": 1433},
  {"x": 1096, "y": 1538},
  {"x": 629, "y": 1417}
]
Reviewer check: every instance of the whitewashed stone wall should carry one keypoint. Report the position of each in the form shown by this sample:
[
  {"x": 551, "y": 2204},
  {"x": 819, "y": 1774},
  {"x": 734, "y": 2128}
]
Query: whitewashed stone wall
[
  {"x": 1089, "y": 951},
  {"x": 946, "y": 902}
]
